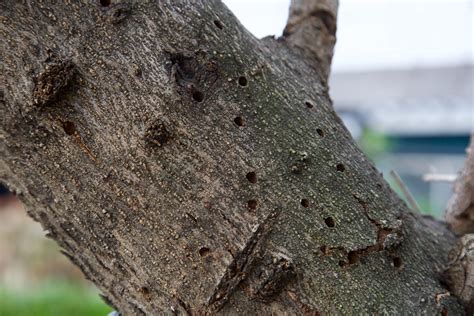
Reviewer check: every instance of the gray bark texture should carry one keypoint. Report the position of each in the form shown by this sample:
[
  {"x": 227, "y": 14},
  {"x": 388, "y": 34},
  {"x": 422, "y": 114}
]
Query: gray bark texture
[
  {"x": 460, "y": 272},
  {"x": 189, "y": 168},
  {"x": 460, "y": 211},
  {"x": 459, "y": 215}
]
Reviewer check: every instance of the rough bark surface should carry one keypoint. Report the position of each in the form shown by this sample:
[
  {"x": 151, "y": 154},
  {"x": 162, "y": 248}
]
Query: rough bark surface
[
  {"x": 460, "y": 211},
  {"x": 460, "y": 272},
  {"x": 190, "y": 168},
  {"x": 460, "y": 216}
]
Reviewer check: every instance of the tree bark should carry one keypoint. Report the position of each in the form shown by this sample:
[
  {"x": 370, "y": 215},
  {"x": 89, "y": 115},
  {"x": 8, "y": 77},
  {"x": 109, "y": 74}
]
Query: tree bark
[
  {"x": 311, "y": 29},
  {"x": 460, "y": 211},
  {"x": 459, "y": 274},
  {"x": 460, "y": 217},
  {"x": 187, "y": 167}
]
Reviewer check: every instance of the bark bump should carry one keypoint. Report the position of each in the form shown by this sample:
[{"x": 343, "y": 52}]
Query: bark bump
[{"x": 54, "y": 77}]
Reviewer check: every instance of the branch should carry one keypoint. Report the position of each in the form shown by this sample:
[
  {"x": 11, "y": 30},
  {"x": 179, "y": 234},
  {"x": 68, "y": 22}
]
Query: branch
[
  {"x": 460, "y": 272},
  {"x": 152, "y": 140},
  {"x": 311, "y": 28},
  {"x": 460, "y": 210},
  {"x": 460, "y": 216}
]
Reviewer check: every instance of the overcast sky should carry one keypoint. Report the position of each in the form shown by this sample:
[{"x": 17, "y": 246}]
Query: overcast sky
[{"x": 381, "y": 34}]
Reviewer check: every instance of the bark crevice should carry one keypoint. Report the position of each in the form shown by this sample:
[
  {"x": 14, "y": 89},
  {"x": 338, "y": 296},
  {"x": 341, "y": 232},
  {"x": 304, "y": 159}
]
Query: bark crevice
[{"x": 242, "y": 264}]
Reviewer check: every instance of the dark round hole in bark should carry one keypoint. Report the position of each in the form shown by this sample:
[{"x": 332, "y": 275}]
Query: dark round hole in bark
[
  {"x": 105, "y": 3},
  {"x": 309, "y": 104},
  {"x": 324, "y": 249},
  {"x": 353, "y": 257},
  {"x": 204, "y": 251},
  {"x": 218, "y": 24},
  {"x": 252, "y": 204},
  {"x": 144, "y": 290},
  {"x": 198, "y": 96},
  {"x": 397, "y": 262},
  {"x": 252, "y": 177},
  {"x": 342, "y": 263},
  {"x": 69, "y": 128},
  {"x": 320, "y": 132},
  {"x": 329, "y": 222},
  {"x": 340, "y": 167},
  {"x": 305, "y": 202},
  {"x": 239, "y": 121},
  {"x": 243, "y": 81}
]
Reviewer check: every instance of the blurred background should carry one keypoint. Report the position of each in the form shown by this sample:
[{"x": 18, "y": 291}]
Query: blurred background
[{"x": 402, "y": 80}]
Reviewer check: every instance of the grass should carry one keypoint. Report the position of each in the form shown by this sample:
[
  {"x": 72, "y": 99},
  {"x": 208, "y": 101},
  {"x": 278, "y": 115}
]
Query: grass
[{"x": 52, "y": 298}]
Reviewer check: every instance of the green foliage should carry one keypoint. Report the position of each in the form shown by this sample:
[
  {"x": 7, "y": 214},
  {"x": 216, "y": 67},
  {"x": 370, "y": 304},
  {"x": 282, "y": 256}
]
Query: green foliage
[
  {"x": 50, "y": 299},
  {"x": 373, "y": 143}
]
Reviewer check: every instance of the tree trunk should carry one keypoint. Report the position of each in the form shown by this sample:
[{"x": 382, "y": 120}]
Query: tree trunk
[{"x": 187, "y": 167}]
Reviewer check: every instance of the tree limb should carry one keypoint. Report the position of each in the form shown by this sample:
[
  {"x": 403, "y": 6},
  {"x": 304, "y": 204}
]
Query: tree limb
[
  {"x": 188, "y": 168},
  {"x": 311, "y": 28},
  {"x": 460, "y": 210}
]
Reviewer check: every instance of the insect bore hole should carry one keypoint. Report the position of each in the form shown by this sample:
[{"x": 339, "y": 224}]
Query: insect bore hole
[
  {"x": 320, "y": 132},
  {"x": 239, "y": 121},
  {"x": 309, "y": 105},
  {"x": 324, "y": 249},
  {"x": 243, "y": 81},
  {"x": 144, "y": 290},
  {"x": 204, "y": 251},
  {"x": 397, "y": 262},
  {"x": 353, "y": 257},
  {"x": 340, "y": 167},
  {"x": 218, "y": 24},
  {"x": 252, "y": 177},
  {"x": 252, "y": 204},
  {"x": 198, "y": 96},
  {"x": 329, "y": 222},
  {"x": 105, "y": 3},
  {"x": 305, "y": 202},
  {"x": 69, "y": 128}
]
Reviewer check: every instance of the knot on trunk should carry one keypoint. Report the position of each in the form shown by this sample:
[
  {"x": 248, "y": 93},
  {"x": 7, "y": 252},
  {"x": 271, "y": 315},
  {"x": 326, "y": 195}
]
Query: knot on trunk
[
  {"x": 116, "y": 13},
  {"x": 194, "y": 74},
  {"x": 157, "y": 134},
  {"x": 54, "y": 77},
  {"x": 271, "y": 276}
]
